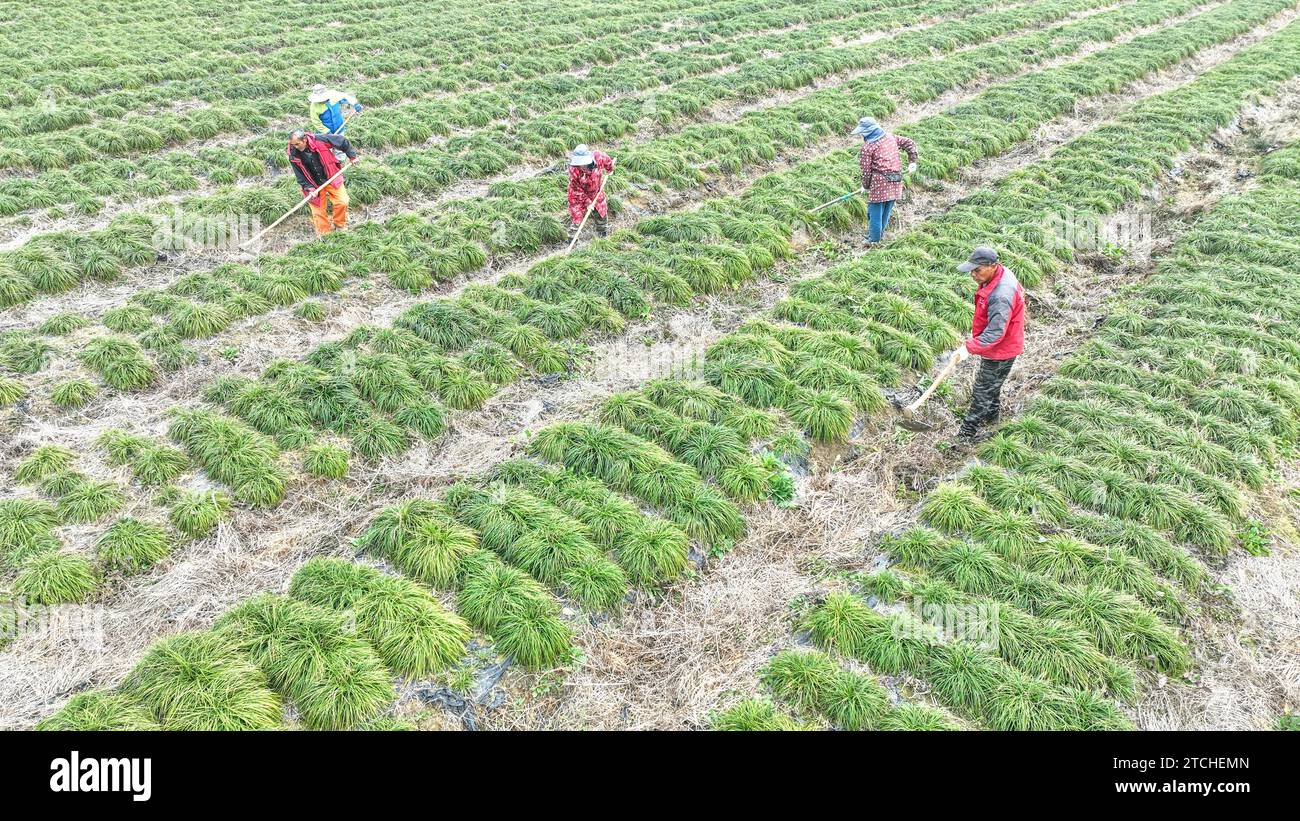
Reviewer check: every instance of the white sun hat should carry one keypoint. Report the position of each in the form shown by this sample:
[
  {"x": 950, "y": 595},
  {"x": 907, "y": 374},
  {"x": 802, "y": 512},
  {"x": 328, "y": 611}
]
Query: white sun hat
[
  {"x": 582, "y": 156},
  {"x": 319, "y": 94}
]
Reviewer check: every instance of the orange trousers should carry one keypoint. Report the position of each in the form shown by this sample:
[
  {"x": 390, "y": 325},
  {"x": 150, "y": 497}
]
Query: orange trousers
[{"x": 320, "y": 213}]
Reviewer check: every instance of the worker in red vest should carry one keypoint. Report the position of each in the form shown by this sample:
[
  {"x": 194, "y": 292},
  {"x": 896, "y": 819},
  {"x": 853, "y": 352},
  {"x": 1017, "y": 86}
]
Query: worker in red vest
[
  {"x": 313, "y": 161},
  {"x": 997, "y": 336}
]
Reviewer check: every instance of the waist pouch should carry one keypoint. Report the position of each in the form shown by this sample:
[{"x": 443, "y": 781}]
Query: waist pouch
[{"x": 892, "y": 176}]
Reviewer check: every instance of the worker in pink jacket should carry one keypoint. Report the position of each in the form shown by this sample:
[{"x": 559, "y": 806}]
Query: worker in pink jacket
[
  {"x": 881, "y": 164},
  {"x": 587, "y": 170}
]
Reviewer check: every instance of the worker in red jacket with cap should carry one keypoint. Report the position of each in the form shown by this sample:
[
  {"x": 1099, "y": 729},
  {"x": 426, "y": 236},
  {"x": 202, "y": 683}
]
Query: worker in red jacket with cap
[{"x": 997, "y": 335}]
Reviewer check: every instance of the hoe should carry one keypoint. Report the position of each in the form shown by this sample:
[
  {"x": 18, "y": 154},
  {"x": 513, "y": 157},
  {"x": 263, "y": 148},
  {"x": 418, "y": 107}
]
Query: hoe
[
  {"x": 907, "y": 417},
  {"x": 842, "y": 198},
  {"x": 243, "y": 245}
]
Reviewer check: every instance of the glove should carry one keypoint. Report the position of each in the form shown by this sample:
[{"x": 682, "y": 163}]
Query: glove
[
  {"x": 308, "y": 193},
  {"x": 358, "y": 107},
  {"x": 911, "y": 168},
  {"x": 961, "y": 354}
]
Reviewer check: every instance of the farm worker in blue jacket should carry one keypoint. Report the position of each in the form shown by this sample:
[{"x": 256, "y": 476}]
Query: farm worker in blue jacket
[{"x": 326, "y": 109}]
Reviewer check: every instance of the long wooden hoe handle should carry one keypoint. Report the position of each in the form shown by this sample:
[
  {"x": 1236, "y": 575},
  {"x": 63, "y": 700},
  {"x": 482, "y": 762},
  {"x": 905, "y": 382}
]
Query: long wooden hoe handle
[
  {"x": 300, "y": 204},
  {"x": 347, "y": 118},
  {"x": 849, "y": 195},
  {"x": 943, "y": 374},
  {"x": 590, "y": 208}
]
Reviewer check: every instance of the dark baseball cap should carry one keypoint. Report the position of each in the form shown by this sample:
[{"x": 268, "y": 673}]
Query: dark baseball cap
[{"x": 982, "y": 255}]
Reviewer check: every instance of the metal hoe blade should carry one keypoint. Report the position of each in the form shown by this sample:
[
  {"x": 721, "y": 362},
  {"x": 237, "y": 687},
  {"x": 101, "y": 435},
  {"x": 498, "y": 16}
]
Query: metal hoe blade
[
  {"x": 914, "y": 424},
  {"x": 907, "y": 411}
]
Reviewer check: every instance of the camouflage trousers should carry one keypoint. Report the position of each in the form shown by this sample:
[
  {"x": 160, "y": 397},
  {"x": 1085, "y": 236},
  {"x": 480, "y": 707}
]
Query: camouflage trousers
[{"x": 986, "y": 395}]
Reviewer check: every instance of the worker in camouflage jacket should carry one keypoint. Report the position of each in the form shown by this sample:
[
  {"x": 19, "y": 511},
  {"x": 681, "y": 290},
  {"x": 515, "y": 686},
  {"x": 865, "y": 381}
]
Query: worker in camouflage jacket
[
  {"x": 997, "y": 336},
  {"x": 313, "y": 159},
  {"x": 587, "y": 170},
  {"x": 881, "y": 164}
]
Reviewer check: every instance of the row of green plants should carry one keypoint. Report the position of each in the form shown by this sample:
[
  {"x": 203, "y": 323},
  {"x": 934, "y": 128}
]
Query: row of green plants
[
  {"x": 57, "y": 262},
  {"x": 702, "y": 427},
  {"x": 1042, "y": 642},
  {"x": 232, "y": 453},
  {"x": 1099, "y": 604},
  {"x": 647, "y": 472},
  {"x": 973, "y": 682},
  {"x": 818, "y": 691},
  {"x": 499, "y": 541},
  {"x": 322, "y": 657},
  {"x": 23, "y": 352},
  {"x": 474, "y": 153}
]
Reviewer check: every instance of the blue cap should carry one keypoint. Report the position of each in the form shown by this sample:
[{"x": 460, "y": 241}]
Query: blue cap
[{"x": 869, "y": 129}]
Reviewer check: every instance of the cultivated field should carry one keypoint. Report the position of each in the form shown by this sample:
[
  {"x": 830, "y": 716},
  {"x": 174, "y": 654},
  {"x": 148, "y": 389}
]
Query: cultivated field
[{"x": 437, "y": 471}]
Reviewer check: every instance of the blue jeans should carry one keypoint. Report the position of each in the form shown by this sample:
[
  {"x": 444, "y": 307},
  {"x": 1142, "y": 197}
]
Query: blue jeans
[{"x": 878, "y": 219}]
